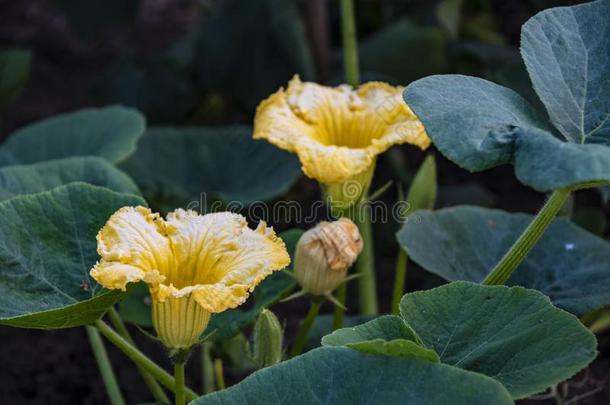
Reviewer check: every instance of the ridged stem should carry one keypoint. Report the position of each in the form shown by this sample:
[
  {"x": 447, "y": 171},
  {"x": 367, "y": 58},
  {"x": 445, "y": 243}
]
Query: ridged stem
[
  {"x": 339, "y": 312},
  {"x": 140, "y": 358},
  {"x": 522, "y": 246}
]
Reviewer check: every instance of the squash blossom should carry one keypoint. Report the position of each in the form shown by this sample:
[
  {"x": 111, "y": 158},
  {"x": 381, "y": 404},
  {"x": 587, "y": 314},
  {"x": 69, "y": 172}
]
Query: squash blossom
[
  {"x": 324, "y": 254},
  {"x": 195, "y": 265},
  {"x": 337, "y": 132}
]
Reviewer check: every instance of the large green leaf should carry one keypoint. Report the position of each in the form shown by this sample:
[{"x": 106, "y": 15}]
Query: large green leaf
[
  {"x": 343, "y": 376},
  {"x": 479, "y": 125},
  {"x": 14, "y": 73},
  {"x": 511, "y": 334},
  {"x": 47, "y": 247},
  {"x": 391, "y": 52},
  {"x": 110, "y": 133},
  {"x": 187, "y": 166},
  {"x": 386, "y": 327},
  {"x": 43, "y": 176},
  {"x": 569, "y": 264},
  {"x": 566, "y": 50}
]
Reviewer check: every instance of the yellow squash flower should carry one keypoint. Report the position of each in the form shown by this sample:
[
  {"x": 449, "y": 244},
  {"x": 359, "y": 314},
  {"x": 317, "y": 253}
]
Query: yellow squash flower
[
  {"x": 338, "y": 132},
  {"x": 195, "y": 265}
]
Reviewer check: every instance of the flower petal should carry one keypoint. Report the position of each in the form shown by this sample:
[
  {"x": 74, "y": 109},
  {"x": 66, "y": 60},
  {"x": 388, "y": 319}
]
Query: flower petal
[
  {"x": 337, "y": 132},
  {"x": 116, "y": 275},
  {"x": 211, "y": 297},
  {"x": 219, "y": 248},
  {"x": 132, "y": 245}
]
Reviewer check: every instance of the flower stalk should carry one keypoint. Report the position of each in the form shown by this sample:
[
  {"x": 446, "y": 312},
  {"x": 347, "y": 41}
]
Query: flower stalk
[
  {"x": 179, "y": 377},
  {"x": 350, "y": 43},
  {"x": 152, "y": 384},
  {"x": 105, "y": 367},
  {"x": 534, "y": 231},
  {"x": 301, "y": 338},
  {"x": 402, "y": 262},
  {"x": 141, "y": 359},
  {"x": 207, "y": 376},
  {"x": 366, "y": 263}
]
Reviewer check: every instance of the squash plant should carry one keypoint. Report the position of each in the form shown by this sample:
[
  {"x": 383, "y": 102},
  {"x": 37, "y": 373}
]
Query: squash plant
[{"x": 504, "y": 327}]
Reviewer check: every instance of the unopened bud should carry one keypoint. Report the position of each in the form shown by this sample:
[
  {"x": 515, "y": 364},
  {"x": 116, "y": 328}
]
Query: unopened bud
[
  {"x": 324, "y": 254},
  {"x": 268, "y": 339}
]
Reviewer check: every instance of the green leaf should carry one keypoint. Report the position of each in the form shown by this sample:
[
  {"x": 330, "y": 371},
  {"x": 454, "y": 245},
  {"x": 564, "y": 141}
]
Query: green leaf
[
  {"x": 386, "y": 327},
  {"x": 47, "y": 247},
  {"x": 568, "y": 264},
  {"x": 271, "y": 290},
  {"x": 224, "y": 163},
  {"x": 566, "y": 53},
  {"x": 391, "y": 52},
  {"x": 135, "y": 308},
  {"x": 43, "y": 176},
  {"x": 14, "y": 73},
  {"x": 396, "y": 347},
  {"x": 110, "y": 133},
  {"x": 343, "y": 376},
  {"x": 277, "y": 49},
  {"x": 423, "y": 189},
  {"x": 511, "y": 334},
  {"x": 479, "y": 125},
  {"x": 471, "y": 121}
]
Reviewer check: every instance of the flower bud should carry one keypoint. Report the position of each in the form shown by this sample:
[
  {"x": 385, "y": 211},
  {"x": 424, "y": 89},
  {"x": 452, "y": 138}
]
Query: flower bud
[
  {"x": 324, "y": 254},
  {"x": 268, "y": 340}
]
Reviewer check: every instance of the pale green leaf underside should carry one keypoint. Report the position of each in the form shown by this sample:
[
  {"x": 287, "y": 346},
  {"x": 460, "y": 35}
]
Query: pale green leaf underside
[
  {"x": 395, "y": 347},
  {"x": 110, "y": 133},
  {"x": 511, "y": 334},
  {"x": 43, "y": 176},
  {"x": 192, "y": 166},
  {"x": 479, "y": 125},
  {"x": 343, "y": 376},
  {"x": 47, "y": 247},
  {"x": 568, "y": 264},
  {"x": 567, "y": 54},
  {"x": 386, "y": 327}
]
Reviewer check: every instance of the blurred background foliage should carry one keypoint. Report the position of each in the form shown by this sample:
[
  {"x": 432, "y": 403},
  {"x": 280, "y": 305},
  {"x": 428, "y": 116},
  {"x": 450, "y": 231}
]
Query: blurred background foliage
[{"x": 212, "y": 61}]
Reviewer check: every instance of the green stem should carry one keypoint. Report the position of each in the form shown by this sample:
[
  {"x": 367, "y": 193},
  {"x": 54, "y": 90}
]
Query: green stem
[
  {"x": 365, "y": 266},
  {"x": 103, "y": 363},
  {"x": 149, "y": 380},
  {"x": 339, "y": 312},
  {"x": 220, "y": 379},
  {"x": 350, "y": 43},
  {"x": 140, "y": 358},
  {"x": 515, "y": 255},
  {"x": 207, "y": 375},
  {"x": 402, "y": 262},
  {"x": 180, "y": 397},
  {"x": 299, "y": 342},
  {"x": 601, "y": 324}
]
